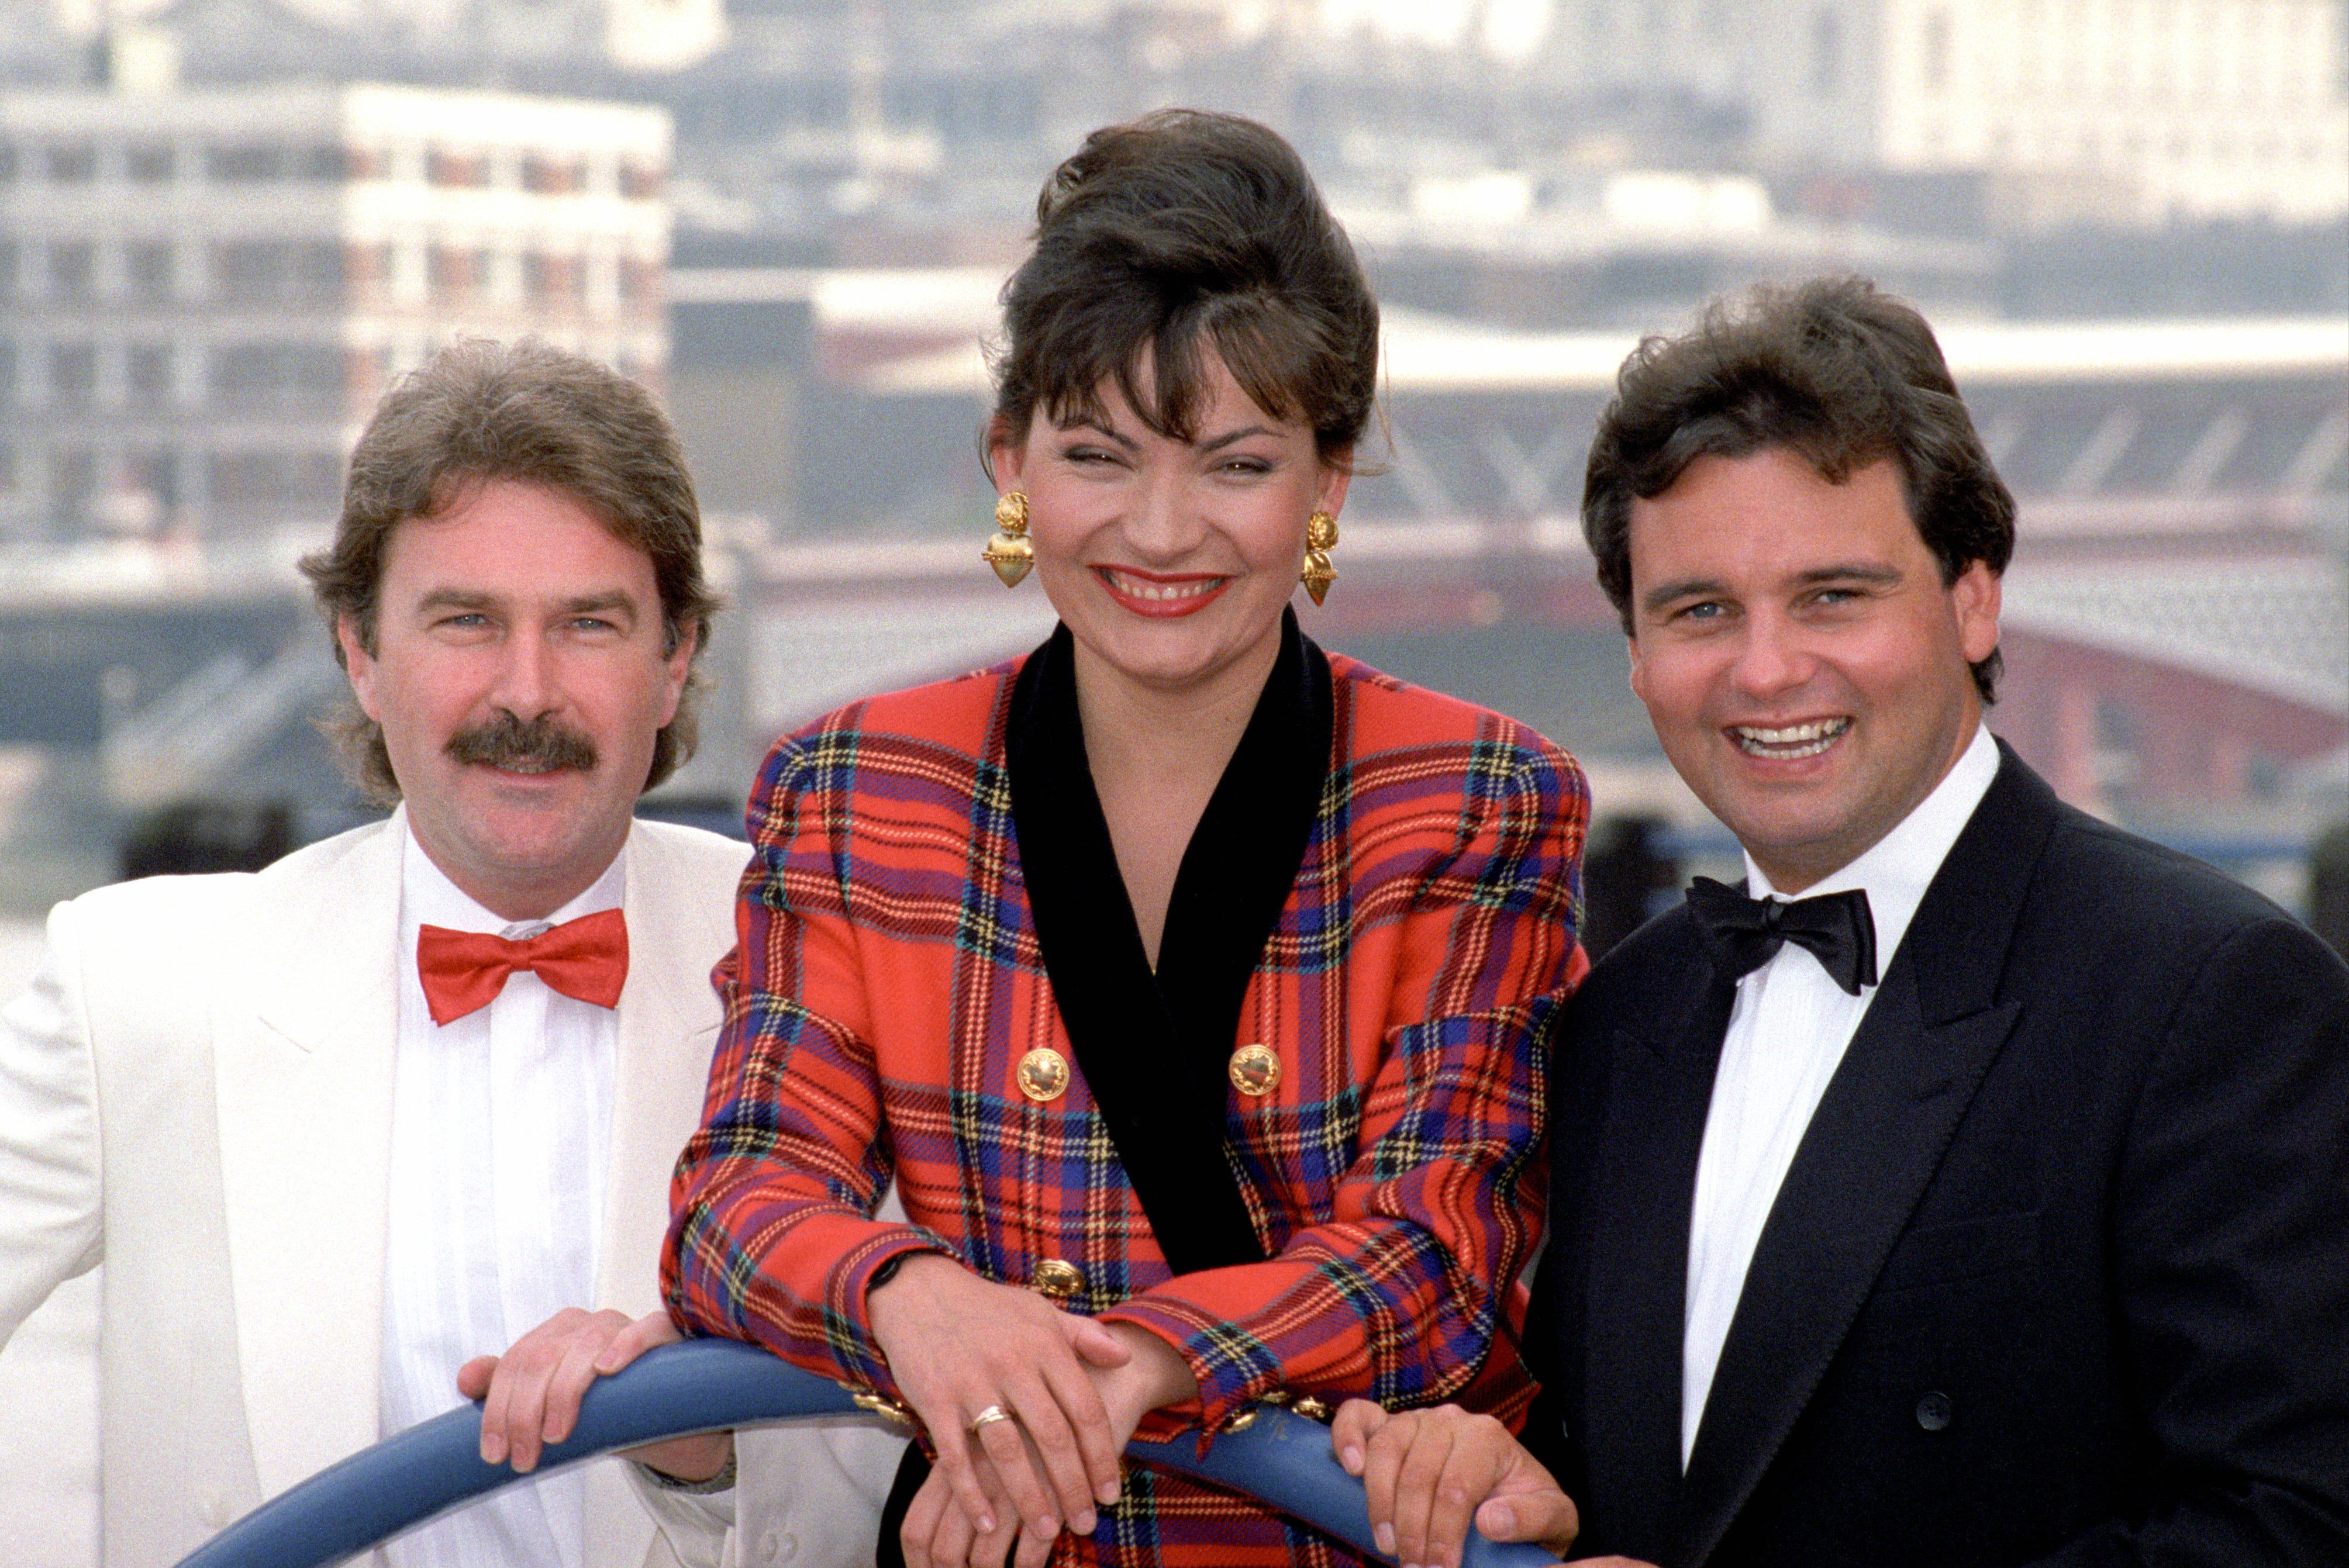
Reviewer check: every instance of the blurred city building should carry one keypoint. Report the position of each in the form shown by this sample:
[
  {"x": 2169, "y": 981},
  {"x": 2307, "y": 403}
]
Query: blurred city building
[
  {"x": 1585, "y": 162},
  {"x": 1553, "y": 162},
  {"x": 2131, "y": 221},
  {"x": 2057, "y": 111},
  {"x": 265, "y": 38},
  {"x": 2177, "y": 618},
  {"x": 203, "y": 292}
]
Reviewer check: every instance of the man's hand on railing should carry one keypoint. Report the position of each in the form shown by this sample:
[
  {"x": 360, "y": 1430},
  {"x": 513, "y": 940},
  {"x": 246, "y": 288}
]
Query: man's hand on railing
[
  {"x": 530, "y": 1396},
  {"x": 1427, "y": 1474}
]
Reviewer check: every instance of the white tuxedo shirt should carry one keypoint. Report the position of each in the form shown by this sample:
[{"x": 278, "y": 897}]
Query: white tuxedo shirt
[
  {"x": 500, "y": 1135},
  {"x": 196, "y": 1089}
]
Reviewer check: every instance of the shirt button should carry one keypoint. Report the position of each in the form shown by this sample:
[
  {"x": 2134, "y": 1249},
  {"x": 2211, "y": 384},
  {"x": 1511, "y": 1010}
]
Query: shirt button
[
  {"x": 777, "y": 1546},
  {"x": 213, "y": 1509},
  {"x": 1933, "y": 1412}
]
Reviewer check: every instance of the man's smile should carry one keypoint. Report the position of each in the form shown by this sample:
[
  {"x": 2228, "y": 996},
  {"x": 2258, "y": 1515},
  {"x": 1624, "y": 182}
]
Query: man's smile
[{"x": 1789, "y": 742}]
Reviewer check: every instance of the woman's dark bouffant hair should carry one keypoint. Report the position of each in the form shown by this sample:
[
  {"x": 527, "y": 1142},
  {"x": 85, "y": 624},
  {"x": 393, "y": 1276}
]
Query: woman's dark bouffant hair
[
  {"x": 1180, "y": 229},
  {"x": 1832, "y": 368}
]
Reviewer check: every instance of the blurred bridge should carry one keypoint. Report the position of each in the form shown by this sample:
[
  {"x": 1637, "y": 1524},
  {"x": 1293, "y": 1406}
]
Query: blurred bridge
[
  {"x": 2177, "y": 615},
  {"x": 2177, "y": 618}
]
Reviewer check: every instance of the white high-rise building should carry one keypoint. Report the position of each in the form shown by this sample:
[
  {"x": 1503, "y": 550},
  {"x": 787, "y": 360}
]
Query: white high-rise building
[
  {"x": 202, "y": 294},
  {"x": 2112, "y": 111},
  {"x": 634, "y": 35},
  {"x": 662, "y": 34},
  {"x": 2140, "y": 109}
]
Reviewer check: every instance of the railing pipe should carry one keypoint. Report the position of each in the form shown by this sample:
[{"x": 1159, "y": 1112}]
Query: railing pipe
[{"x": 706, "y": 1385}]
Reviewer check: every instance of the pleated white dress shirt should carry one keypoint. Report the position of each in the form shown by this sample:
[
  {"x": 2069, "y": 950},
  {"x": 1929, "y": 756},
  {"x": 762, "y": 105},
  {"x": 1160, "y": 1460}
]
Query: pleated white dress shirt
[
  {"x": 500, "y": 1142},
  {"x": 1787, "y": 1034}
]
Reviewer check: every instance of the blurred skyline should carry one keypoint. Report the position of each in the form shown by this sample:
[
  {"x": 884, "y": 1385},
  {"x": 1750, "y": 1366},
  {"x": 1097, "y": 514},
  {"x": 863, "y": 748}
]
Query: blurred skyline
[
  {"x": 826, "y": 124},
  {"x": 226, "y": 226}
]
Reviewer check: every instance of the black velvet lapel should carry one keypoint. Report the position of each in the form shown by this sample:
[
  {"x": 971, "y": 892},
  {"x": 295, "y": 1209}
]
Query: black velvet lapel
[{"x": 1153, "y": 1048}]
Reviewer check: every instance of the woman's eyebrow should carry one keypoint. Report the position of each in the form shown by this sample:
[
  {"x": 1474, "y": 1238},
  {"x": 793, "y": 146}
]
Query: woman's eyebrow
[
  {"x": 1241, "y": 434},
  {"x": 1087, "y": 422}
]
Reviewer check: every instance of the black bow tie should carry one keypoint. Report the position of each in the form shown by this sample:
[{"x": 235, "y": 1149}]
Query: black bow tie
[{"x": 1748, "y": 933}]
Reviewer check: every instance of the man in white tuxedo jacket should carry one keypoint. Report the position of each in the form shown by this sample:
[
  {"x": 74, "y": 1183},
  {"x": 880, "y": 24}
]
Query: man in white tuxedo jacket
[{"x": 340, "y": 1126}]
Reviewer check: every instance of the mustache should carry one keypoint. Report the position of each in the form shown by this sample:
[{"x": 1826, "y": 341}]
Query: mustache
[{"x": 539, "y": 746}]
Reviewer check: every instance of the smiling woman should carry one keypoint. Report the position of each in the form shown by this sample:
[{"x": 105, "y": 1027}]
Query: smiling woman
[
  {"x": 1170, "y": 557},
  {"x": 1188, "y": 979}
]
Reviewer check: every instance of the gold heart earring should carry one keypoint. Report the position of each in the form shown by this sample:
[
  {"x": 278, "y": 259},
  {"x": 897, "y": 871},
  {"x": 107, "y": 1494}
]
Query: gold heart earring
[
  {"x": 1010, "y": 552},
  {"x": 1320, "y": 537}
]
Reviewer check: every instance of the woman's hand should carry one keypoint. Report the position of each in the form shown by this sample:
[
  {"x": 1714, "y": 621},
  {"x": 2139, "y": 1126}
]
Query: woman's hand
[
  {"x": 530, "y": 1396},
  {"x": 1427, "y": 1471},
  {"x": 1150, "y": 1377},
  {"x": 938, "y": 1533},
  {"x": 960, "y": 1347}
]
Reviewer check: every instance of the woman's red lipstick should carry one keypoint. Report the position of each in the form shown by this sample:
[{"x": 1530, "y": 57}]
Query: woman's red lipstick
[{"x": 1162, "y": 595}]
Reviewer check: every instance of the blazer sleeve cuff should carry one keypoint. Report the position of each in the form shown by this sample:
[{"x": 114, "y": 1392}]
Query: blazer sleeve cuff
[
  {"x": 874, "y": 1264},
  {"x": 1234, "y": 1370}
]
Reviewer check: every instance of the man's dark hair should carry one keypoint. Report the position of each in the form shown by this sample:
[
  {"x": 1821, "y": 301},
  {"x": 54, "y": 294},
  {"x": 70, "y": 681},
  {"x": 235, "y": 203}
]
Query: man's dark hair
[
  {"x": 532, "y": 413},
  {"x": 1181, "y": 229},
  {"x": 1833, "y": 369}
]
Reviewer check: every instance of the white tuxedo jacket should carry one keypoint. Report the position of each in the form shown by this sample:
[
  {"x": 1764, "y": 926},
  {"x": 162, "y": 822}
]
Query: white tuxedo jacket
[{"x": 196, "y": 1089}]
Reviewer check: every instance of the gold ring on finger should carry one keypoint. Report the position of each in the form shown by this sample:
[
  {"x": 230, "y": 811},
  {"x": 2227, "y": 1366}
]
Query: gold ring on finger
[{"x": 988, "y": 1416}]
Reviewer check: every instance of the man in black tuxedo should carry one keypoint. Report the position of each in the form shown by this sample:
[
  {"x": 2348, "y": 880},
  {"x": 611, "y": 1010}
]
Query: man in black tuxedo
[{"x": 1988, "y": 1203}]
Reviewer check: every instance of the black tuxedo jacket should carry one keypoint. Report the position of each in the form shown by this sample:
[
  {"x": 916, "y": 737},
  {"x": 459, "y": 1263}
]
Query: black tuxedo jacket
[{"x": 2060, "y": 1273}]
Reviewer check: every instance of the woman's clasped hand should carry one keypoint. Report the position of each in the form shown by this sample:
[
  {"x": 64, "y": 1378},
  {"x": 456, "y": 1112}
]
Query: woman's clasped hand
[{"x": 1028, "y": 1407}]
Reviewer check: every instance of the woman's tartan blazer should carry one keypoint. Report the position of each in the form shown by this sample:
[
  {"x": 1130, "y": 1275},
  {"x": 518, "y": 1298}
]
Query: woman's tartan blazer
[{"x": 887, "y": 980}]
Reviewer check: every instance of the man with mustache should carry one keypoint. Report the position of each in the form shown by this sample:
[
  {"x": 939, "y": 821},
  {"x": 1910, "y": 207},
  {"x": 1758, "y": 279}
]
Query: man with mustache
[
  {"x": 413, "y": 1094},
  {"x": 1968, "y": 1190}
]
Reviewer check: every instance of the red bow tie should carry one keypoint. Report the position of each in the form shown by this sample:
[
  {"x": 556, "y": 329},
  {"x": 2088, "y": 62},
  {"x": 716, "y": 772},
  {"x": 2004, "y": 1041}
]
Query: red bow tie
[{"x": 463, "y": 971}]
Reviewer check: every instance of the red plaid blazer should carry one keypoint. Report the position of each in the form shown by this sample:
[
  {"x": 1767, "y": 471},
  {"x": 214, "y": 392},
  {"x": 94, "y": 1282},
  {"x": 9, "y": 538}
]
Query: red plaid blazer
[{"x": 887, "y": 980}]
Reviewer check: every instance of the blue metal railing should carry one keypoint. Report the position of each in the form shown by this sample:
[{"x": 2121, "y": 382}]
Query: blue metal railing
[{"x": 1281, "y": 1459}]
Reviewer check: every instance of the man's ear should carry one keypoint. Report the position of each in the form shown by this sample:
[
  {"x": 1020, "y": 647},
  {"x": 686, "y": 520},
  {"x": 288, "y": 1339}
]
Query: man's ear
[
  {"x": 679, "y": 671},
  {"x": 358, "y": 664},
  {"x": 1638, "y": 673},
  {"x": 1975, "y": 598}
]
